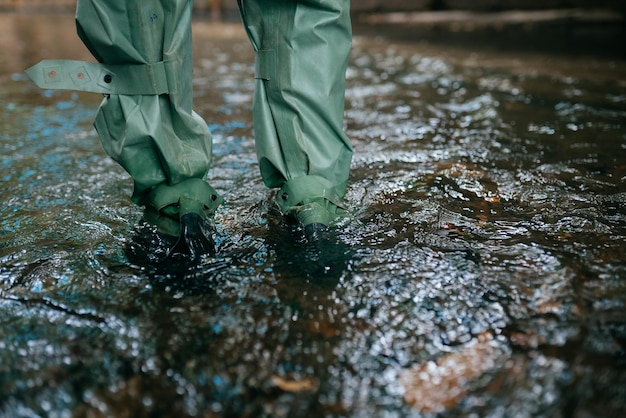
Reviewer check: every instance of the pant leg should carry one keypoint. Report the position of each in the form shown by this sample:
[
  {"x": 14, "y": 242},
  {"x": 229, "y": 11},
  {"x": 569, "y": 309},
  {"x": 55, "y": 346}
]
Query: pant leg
[
  {"x": 157, "y": 138},
  {"x": 302, "y": 49}
]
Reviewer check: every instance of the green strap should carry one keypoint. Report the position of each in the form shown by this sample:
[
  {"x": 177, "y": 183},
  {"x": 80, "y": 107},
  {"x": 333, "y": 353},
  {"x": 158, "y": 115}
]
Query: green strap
[
  {"x": 132, "y": 79},
  {"x": 301, "y": 189},
  {"x": 265, "y": 64},
  {"x": 165, "y": 195}
]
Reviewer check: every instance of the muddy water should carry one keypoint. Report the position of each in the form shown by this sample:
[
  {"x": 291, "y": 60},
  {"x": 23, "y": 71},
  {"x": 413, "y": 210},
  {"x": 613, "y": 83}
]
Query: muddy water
[{"x": 482, "y": 274}]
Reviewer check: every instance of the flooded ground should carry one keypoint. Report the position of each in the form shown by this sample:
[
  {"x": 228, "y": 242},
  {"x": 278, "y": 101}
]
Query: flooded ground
[{"x": 482, "y": 274}]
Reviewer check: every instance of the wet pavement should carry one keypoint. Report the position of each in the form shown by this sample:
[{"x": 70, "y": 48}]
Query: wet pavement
[{"x": 483, "y": 272}]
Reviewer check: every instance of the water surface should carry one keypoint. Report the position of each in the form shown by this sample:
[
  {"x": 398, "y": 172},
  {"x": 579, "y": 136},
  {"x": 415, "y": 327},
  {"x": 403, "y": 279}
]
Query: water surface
[{"x": 482, "y": 274}]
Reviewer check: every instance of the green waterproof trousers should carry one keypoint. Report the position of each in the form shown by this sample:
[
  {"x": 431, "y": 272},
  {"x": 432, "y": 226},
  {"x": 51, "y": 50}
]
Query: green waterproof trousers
[
  {"x": 146, "y": 122},
  {"x": 301, "y": 56}
]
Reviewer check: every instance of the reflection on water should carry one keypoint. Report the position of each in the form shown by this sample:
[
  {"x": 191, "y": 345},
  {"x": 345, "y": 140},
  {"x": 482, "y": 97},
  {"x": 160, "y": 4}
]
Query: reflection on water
[{"x": 482, "y": 274}]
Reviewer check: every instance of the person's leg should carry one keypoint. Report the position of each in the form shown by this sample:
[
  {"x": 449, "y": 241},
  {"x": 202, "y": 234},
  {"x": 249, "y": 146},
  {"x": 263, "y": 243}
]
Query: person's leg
[
  {"x": 302, "y": 49},
  {"x": 146, "y": 122}
]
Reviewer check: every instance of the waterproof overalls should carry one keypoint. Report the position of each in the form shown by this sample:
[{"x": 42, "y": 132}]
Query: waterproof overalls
[{"x": 146, "y": 122}]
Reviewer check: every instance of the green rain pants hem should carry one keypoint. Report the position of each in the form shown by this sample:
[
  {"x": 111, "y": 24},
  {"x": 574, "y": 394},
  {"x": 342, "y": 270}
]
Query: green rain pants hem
[{"x": 311, "y": 199}]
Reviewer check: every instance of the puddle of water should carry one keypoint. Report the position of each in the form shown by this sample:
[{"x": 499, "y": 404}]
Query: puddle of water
[{"x": 482, "y": 274}]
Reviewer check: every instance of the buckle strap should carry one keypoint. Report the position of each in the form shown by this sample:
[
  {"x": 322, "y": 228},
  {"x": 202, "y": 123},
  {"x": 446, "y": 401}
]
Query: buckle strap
[
  {"x": 165, "y": 195},
  {"x": 302, "y": 189},
  {"x": 128, "y": 79}
]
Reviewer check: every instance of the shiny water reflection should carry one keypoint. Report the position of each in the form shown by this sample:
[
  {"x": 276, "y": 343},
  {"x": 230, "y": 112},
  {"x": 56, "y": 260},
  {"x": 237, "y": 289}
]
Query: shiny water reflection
[{"x": 482, "y": 274}]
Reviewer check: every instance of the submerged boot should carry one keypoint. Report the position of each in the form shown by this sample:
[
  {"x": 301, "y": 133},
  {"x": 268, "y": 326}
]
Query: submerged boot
[
  {"x": 184, "y": 215},
  {"x": 145, "y": 121},
  {"x": 316, "y": 215},
  {"x": 196, "y": 228},
  {"x": 301, "y": 56}
]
